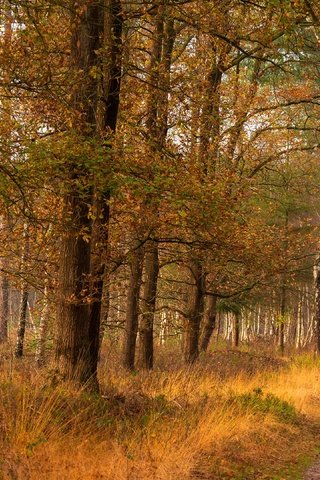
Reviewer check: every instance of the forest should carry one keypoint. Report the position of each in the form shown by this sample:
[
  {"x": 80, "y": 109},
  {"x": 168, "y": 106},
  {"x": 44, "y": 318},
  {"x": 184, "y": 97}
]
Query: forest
[{"x": 159, "y": 239}]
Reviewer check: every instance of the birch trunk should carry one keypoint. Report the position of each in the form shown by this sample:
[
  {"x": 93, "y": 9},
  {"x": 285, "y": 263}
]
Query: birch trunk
[
  {"x": 317, "y": 305},
  {"x": 4, "y": 318},
  {"x": 43, "y": 329},
  {"x": 24, "y": 296}
]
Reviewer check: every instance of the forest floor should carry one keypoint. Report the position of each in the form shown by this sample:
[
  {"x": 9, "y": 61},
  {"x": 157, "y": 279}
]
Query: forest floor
[{"x": 236, "y": 415}]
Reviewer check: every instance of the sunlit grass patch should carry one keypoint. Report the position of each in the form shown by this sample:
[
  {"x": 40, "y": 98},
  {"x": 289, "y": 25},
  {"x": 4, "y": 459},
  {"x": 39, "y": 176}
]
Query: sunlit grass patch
[{"x": 160, "y": 425}]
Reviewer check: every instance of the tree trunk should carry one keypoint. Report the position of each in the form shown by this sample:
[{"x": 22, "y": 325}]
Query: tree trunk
[
  {"x": 24, "y": 296},
  {"x": 195, "y": 315},
  {"x": 317, "y": 305},
  {"x": 148, "y": 303},
  {"x": 5, "y": 289},
  {"x": 132, "y": 312},
  {"x": 283, "y": 307},
  {"x": 210, "y": 323},
  {"x": 74, "y": 342},
  {"x": 43, "y": 329},
  {"x": 7, "y": 20},
  {"x": 156, "y": 123},
  {"x": 22, "y": 322},
  {"x": 98, "y": 272},
  {"x": 107, "y": 116},
  {"x": 236, "y": 329}
]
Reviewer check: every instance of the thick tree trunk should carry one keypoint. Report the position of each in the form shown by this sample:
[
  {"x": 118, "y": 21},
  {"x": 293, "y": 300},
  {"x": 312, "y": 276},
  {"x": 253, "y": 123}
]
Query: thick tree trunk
[
  {"x": 132, "y": 312},
  {"x": 195, "y": 315},
  {"x": 107, "y": 115},
  {"x": 73, "y": 315},
  {"x": 210, "y": 323},
  {"x": 72, "y": 344},
  {"x": 149, "y": 293}
]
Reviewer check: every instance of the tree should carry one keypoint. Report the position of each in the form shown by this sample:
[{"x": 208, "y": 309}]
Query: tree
[{"x": 73, "y": 321}]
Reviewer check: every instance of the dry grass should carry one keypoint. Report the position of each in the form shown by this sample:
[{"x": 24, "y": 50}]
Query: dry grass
[{"x": 177, "y": 424}]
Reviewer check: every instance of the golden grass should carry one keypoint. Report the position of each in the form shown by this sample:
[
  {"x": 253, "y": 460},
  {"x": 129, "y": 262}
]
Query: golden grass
[{"x": 160, "y": 425}]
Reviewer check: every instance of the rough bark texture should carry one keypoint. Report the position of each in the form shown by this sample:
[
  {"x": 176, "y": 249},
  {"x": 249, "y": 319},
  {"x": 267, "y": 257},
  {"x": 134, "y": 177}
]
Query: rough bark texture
[
  {"x": 73, "y": 345},
  {"x": 151, "y": 266},
  {"x": 210, "y": 323},
  {"x": 195, "y": 315},
  {"x": 107, "y": 115},
  {"x": 132, "y": 313}
]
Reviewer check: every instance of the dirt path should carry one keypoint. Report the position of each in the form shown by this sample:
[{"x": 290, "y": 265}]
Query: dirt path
[{"x": 313, "y": 473}]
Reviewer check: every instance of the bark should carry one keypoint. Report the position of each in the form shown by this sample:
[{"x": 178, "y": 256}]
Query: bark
[
  {"x": 195, "y": 314},
  {"x": 22, "y": 322},
  {"x": 236, "y": 329},
  {"x": 317, "y": 305},
  {"x": 207, "y": 154},
  {"x": 132, "y": 312},
  {"x": 148, "y": 303},
  {"x": 298, "y": 337},
  {"x": 219, "y": 326},
  {"x": 156, "y": 123},
  {"x": 98, "y": 273},
  {"x": 7, "y": 118},
  {"x": 73, "y": 345},
  {"x": 104, "y": 312},
  {"x": 107, "y": 116},
  {"x": 24, "y": 296},
  {"x": 210, "y": 120},
  {"x": 210, "y": 323},
  {"x": 43, "y": 329},
  {"x": 283, "y": 307},
  {"x": 5, "y": 289}
]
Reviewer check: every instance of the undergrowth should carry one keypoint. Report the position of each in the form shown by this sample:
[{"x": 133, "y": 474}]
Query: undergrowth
[{"x": 177, "y": 424}]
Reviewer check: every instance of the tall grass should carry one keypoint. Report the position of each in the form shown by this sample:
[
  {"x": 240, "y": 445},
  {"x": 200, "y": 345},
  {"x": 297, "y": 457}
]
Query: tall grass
[{"x": 160, "y": 425}]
